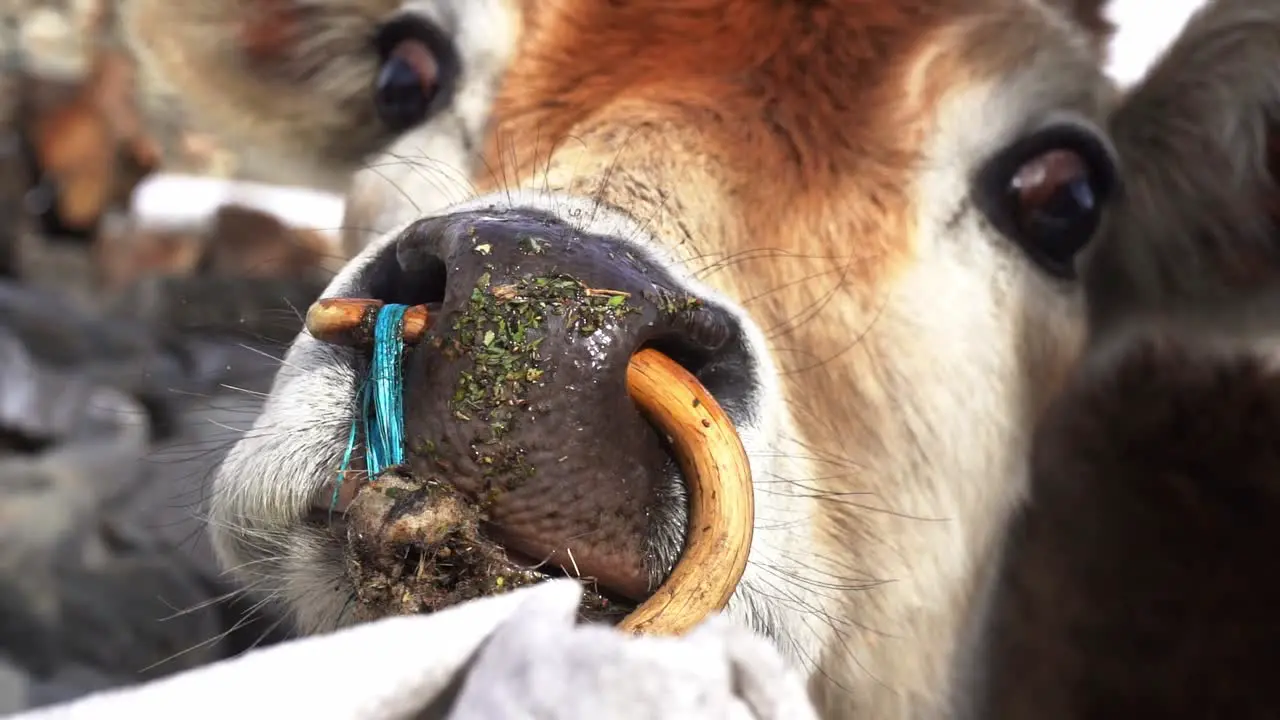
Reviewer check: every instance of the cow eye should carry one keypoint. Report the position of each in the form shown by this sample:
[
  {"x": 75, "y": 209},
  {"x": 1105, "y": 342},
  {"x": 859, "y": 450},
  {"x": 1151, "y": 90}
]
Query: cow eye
[
  {"x": 417, "y": 71},
  {"x": 1046, "y": 192}
]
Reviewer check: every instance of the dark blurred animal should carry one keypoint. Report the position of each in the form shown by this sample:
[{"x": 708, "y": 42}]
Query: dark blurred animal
[{"x": 1137, "y": 578}]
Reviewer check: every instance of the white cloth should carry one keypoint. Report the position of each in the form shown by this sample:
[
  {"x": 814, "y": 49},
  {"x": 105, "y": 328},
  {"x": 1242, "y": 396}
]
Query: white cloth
[{"x": 519, "y": 655}]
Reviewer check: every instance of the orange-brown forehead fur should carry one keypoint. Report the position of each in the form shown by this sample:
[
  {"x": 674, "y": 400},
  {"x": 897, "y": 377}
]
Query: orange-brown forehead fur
[
  {"x": 736, "y": 117},
  {"x": 777, "y": 137}
]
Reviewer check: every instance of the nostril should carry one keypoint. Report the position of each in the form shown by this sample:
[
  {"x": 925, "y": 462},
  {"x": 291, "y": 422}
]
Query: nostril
[
  {"x": 702, "y": 329},
  {"x": 693, "y": 334},
  {"x": 415, "y": 278},
  {"x": 709, "y": 342},
  {"x": 687, "y": 354}
]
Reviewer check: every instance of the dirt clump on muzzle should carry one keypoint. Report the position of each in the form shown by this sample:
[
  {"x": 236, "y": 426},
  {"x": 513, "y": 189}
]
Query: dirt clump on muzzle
[{"x": 415, "y": 546}]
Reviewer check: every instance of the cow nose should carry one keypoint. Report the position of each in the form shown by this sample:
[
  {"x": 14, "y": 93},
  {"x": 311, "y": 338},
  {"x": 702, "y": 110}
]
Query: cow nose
[{"x": 521, "y": 440}]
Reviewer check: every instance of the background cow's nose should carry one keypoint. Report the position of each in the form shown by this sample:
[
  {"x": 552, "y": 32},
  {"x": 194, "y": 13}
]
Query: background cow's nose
[{"x": 516, "y": 398}]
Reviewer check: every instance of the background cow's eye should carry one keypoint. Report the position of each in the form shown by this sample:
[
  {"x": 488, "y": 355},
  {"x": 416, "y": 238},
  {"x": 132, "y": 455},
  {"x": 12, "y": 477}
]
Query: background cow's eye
[
  {"x": 1046, "y": 192},
  {"x": 418, "y": 69}
]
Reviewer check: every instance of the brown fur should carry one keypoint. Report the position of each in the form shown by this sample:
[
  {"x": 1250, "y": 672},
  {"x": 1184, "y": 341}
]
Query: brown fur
[
  {"x": 240, "y": 242},
  {"x": 91, "y": 143},
  {"x": 1092, "y": 15},
  {"x": 124, "y": 254},
  {"x": 252, "y": 243},
  {"x": 677, "y": 92}
]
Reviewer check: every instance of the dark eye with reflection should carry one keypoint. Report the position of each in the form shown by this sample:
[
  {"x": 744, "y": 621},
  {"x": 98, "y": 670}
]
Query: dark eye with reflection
[
  {"x": 1046, "y": 192},
  {"x": 416, "y": 74}
]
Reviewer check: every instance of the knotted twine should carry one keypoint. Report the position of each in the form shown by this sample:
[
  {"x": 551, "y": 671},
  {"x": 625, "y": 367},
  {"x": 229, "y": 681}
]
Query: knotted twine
[{"x": 381, "y": 401}]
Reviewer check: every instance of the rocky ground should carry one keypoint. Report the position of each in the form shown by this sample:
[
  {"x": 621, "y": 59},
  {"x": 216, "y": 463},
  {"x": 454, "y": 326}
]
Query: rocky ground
[{"x": 114, "y": 408}]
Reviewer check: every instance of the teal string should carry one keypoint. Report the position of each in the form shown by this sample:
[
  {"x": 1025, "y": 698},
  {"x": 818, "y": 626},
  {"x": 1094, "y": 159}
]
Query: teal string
[
  {"x": 381, "y": 401},
  {"x": 384, "y": 426}
]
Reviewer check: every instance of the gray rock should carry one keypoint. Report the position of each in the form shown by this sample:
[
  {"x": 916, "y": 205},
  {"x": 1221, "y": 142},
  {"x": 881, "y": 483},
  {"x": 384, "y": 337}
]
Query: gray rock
[{"x": 104, "y": 576}]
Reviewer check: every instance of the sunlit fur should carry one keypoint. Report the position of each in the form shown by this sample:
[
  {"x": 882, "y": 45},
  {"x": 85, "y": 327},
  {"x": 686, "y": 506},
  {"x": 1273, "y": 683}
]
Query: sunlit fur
[{"x": 808, "y": 163}]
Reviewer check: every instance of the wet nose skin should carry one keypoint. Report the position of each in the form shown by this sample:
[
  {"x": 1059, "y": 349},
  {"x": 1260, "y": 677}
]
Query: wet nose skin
[{"x": 517, "y": 395}]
